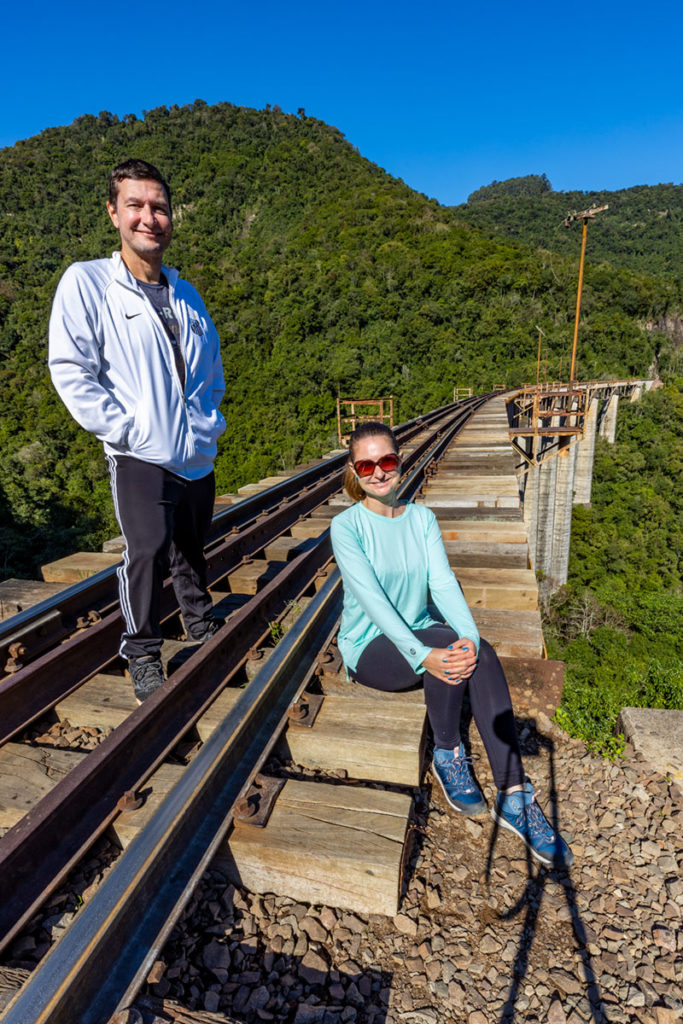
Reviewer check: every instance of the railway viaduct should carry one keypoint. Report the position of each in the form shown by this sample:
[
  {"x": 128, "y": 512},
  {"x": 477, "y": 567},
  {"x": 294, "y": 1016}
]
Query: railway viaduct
[{"x": 500, "y": 471}]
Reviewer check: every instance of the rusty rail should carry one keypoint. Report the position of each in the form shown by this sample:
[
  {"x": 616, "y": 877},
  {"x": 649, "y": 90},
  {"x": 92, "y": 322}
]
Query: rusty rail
[
  {"x": 34, "y": 689},
  {"x": 131, "y": 916},
  {"x": 37, "y": 853},
  {"x": 100, "y": 592}
]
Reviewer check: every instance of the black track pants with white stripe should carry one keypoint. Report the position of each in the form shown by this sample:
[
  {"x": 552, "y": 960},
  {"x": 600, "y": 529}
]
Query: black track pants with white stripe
[{"x": 164, "y": 520}]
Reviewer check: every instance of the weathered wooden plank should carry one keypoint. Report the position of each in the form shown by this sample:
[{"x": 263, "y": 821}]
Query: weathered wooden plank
[
  {"x": 115, "y": 545},
  {"x": 261, "y": 485},
  {"x": 525, "y": 578},
  {"x": 220, "y": 708},
  {"x": 27, "y": 774},
  {"x": 498, "y": 595},
  {"x": 252, "y": 576},
  {"x": 437, "y": 500},
  {"x": 161, "y": 1011},
  {"x": 16, "y": 595},
  {"x": 514, "y": 633},
  {"x": 499, "y": 588},
  {"x": 78, "y": 566},
  {"x": 11, "y": 980},
  {"x": 369, "y": 739},
  {"x": 338, "y": 845},
  {"x": 447, "y": 514},
  {"x": 476, "y": 531},
  {"x": 282, "y": 549},
  {"x": 104, "y": 701},
  {"x": 487, "y": 554},
  {"x": 470, "y": 467},
  {"x": 338, "y": 685},
  {"x": 126, "y": 825},
  {"x": 453, "y": 482},
  {"x": 309, "y": 528}
]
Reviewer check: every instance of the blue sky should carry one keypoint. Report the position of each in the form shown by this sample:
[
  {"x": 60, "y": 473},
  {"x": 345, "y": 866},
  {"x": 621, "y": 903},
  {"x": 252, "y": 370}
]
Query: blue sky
[{"x": 447, "y": 96}]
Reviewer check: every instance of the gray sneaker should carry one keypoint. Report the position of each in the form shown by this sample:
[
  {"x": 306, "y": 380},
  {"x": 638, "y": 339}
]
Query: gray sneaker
[
  {"x": 204, "y": 631},
  {"x": 147, "y": 675}
]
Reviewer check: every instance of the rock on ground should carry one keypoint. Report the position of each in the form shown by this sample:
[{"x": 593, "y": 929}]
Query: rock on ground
[{"x": 484, "y": 935}]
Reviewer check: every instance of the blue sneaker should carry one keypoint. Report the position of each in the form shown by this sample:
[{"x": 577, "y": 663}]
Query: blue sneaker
[
  {"x": 520, "y": 813},
  {"x": 455, "y": 776}
]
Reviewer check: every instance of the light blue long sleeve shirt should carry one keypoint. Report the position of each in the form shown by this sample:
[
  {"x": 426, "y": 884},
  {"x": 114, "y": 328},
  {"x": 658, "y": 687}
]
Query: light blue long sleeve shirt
[{"x": 390, "y": 568}]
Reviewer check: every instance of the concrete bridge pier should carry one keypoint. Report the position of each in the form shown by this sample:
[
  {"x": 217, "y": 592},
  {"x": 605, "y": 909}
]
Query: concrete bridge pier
[
  {"x": 551, "y": 486},
  {"x": 540, "y": 506},
  {"x": 608, "y": 421},
  {"x": 585, "y": 453},
  {"x": 548, "y": 499},
  {"x": 529, "y": 497},
  {"x": 566, "y": 461}
]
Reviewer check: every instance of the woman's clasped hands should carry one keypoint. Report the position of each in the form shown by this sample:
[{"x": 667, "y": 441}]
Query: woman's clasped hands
[{"x": 452, "y": 664}]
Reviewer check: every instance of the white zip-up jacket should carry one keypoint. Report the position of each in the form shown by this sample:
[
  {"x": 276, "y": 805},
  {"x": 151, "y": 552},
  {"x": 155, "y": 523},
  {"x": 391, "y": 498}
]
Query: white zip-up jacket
[{"x": 112, "y": 364}]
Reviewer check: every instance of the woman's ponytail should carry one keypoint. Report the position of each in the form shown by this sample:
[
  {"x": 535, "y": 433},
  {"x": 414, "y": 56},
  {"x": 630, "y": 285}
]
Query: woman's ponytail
[{"x": 351, "y": 485}]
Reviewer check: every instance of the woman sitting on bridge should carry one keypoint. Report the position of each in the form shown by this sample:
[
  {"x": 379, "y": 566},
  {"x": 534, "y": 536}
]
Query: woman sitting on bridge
[{"x": 391, "y": 554}]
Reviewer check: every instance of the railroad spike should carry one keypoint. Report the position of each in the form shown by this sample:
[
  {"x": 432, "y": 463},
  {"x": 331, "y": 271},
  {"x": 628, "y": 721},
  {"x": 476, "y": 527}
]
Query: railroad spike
[
  {"x": 16, "y": 652},
  {"x": 130, "y": 801},
  {"x": 303, "y": 712},
  {"x": 298, "y": 711},
  {"x": 253, "y": 809}
]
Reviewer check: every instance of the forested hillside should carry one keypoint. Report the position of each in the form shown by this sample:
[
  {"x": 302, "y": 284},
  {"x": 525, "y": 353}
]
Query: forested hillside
[
  {"x": 323, "y": 275},
  {"x": 642, "y": 230}
]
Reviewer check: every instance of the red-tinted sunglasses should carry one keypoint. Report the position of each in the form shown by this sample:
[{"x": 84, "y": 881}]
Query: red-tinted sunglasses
[{"x": 366, "y": 467}]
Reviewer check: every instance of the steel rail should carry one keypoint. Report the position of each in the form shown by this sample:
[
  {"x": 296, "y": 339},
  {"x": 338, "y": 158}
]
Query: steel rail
[
  {"x": 32, "y": 691},
  {"x": 101, "y": 588},
  {"x": 37, "y": 853},
  {"x": 134, "y": 910}
]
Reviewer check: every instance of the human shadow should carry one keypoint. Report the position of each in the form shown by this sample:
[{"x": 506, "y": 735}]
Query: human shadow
[
  {"x": 530, "y": 901},
  {"x": 253, "y": 969}
]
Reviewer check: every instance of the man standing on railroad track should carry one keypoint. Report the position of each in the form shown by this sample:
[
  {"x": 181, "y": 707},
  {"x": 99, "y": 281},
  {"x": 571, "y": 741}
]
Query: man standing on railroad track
[{"x": 136, "y": 360}]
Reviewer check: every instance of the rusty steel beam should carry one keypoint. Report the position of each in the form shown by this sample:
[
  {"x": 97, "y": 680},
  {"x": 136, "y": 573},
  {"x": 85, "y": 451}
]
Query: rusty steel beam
[
  {"x": 130, "y": 917},
  {"x": 37, "y": 853},
  {"x": 32, "y": 691},
  {"x": 100, "y": 592}
]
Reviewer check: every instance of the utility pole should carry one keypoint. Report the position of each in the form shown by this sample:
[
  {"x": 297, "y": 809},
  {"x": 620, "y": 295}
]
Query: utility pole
[
  {"x": 585, "y": 217},
  {"x": 538, "y": 355}
]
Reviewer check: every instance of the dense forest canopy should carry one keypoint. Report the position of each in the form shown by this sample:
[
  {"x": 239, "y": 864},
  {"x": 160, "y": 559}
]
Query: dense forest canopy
[
  {"x": 324, "y": 276},
  {"x": 641, "y": 231},
  {"x": 529, "y": 185}
]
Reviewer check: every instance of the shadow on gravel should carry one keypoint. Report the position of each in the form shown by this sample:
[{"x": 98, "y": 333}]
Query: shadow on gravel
[
  {"x": 290, "y": 990},
  {"x": 531, "y": 900}
]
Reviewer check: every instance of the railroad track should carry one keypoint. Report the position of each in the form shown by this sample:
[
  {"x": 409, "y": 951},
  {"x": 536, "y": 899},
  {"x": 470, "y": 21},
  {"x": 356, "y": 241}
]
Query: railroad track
[{"x": 129, "y": 918}]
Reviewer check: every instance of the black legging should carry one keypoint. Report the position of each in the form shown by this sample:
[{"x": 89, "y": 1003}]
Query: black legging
[{"x": 383, "y": 667}]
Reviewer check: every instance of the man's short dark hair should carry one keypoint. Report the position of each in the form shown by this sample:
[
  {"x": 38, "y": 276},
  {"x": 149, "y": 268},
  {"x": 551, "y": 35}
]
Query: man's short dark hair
[{"x": 138, "y": 170}]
